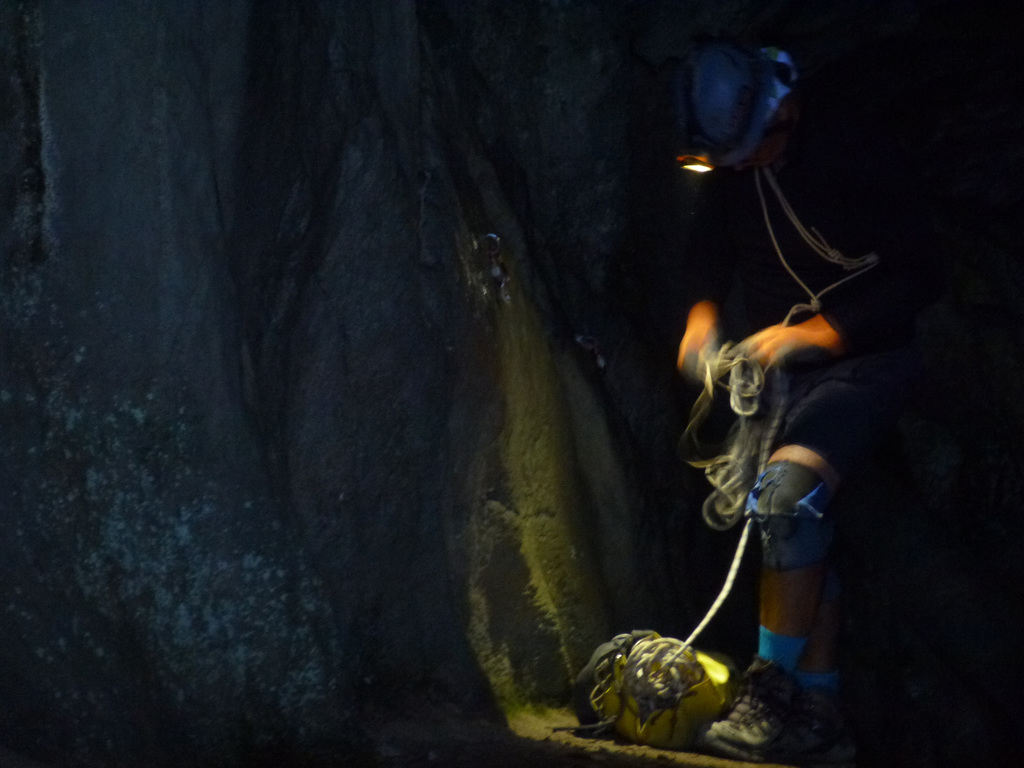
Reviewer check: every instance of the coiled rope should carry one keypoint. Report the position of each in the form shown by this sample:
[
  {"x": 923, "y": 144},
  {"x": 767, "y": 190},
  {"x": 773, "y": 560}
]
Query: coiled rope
[
  {"x": 657, "y": 672},
  {"x": 732, "y": 473}
]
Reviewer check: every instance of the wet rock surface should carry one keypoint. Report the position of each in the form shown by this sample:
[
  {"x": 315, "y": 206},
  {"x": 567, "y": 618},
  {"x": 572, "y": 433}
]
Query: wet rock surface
[{"x": 337, "y": 402}]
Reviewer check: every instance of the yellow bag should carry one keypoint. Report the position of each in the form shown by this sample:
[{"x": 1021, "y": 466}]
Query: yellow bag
[{"x": 654, "y": 691}]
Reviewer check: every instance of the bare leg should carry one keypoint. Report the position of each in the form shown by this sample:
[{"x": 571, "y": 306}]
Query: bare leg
[
  {"x": 790, "y": 601},
  {"x": 808, "y": 458},
  {"x": 820, "y": 653}
]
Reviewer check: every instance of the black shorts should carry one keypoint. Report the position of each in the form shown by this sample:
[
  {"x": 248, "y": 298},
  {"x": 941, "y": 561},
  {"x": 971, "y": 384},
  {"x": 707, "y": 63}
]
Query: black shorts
[{"x": 841, "y": 410}]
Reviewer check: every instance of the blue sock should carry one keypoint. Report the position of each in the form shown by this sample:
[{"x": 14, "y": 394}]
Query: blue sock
[
  {"x": 782, "y": 649},
  {"x": 827, "y": 680}
]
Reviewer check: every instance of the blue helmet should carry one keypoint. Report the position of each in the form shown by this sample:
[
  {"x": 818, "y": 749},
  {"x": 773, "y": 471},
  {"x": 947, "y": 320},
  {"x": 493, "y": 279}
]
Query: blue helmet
[{"x": 724, "y": 101}]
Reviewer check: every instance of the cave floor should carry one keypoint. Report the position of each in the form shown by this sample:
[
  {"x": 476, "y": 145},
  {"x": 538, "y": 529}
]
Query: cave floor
[{"x": 529, "y": 742}]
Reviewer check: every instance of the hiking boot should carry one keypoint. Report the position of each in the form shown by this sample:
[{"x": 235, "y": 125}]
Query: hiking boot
[
  {"x": 774, "y": 721},
  {"x": 815, "y": 733},
  {"x": 758, "y": 717}
]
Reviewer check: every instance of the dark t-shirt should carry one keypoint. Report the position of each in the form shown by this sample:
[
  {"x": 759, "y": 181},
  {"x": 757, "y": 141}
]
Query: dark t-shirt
[{"x": 853, "y": 187}]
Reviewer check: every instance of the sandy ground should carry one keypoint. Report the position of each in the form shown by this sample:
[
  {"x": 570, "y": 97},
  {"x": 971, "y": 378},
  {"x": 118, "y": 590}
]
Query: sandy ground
[{"x": 530, "y": 742}]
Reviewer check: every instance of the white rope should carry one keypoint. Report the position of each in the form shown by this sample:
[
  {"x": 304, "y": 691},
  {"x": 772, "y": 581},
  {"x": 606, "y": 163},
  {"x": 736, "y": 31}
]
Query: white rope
[
  {"x": 814, "y": 239},
  {"x": 732, "y": 474},
  {"x": 659, "y": 671},
  {"x": 730, "y": 578}
]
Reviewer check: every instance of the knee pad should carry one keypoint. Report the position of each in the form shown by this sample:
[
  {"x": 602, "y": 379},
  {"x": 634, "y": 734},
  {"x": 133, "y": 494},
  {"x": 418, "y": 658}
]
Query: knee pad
[{"x": 788, "y": 501}]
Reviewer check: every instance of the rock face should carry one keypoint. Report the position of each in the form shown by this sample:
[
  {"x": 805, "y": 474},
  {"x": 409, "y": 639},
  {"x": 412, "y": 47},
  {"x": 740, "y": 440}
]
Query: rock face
[{"x": 333, "y": 376}]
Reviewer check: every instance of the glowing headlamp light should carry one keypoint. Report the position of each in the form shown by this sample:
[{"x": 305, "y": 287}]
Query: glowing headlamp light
[{"x": 696, "y": 163}]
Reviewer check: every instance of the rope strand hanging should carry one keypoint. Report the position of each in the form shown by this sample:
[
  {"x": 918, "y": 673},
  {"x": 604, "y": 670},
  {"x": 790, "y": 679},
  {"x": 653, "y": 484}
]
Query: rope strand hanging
[{"x": 814, "y": 240}]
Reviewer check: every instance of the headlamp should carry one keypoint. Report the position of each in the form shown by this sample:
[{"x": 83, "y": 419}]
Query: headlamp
[
  {"x": 725, "y": 97},
  {"x": 695, "y": 162}
]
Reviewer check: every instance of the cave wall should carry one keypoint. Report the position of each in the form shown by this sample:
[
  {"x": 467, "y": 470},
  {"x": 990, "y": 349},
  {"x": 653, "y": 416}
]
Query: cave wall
[
  {"x": 158, "y": 603},
  {"x": 335, "y": 381},
  {"x": 280, "y": 446}
]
